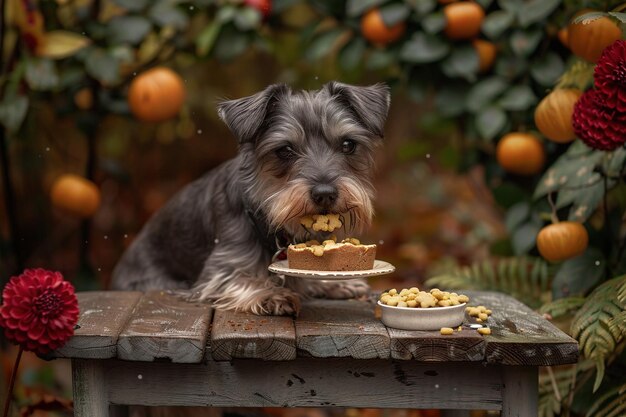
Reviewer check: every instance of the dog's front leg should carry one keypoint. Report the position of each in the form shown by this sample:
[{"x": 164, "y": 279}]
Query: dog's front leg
[{"x": 239, "y": 280}]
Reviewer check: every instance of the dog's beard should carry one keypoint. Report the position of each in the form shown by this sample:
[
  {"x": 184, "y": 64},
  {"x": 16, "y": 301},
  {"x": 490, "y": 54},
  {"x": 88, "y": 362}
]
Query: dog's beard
[{"x": 286, "y": 206}]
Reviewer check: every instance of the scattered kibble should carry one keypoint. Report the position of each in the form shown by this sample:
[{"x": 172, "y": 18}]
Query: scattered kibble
[
  {"x": 414, "y": 298},
  {"x": 484, "y": 330},
  {"x": 446, "y": 330}
]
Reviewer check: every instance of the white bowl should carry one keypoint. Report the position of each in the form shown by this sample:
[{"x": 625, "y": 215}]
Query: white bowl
[{"x": 432, "y": 318}]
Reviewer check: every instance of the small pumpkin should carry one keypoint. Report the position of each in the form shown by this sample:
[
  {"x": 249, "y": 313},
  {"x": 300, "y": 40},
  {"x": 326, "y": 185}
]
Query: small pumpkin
[
  {"x": 463, "y": 20},
  {"x": 588, "y": 40},
  {"x": 156, "y": 95},
  {"x": 563, "y": 240},
  {"x": 553, "y": 115},
  {"x": 374, "y": 29},
  {"x": 520, "y": 153},
  {"x": 75, "y": 195}
]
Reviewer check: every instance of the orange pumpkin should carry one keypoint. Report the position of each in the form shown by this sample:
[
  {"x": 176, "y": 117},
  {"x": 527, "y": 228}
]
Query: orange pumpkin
[
  {"x": 156, "y": 95},
  {"x": 374, "y": 29},
  {"x": 520, "y": 153},
  {"x": 588, "y": 40},
  {"x": 486, "y": 54},
  {"x": 463, "y": 20},
  {"x": 75, "y": 195},
  {"x": 553, "y": 115},
  {"x": 563, "y": 240}
]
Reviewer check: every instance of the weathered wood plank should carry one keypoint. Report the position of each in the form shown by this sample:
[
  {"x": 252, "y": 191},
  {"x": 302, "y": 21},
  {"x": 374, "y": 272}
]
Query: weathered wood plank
[
  {"x": 340, "y": 328},
  {"x": 431, "y": 346},
  {"x": 307, "y": 382},
  {"x": 245, "y": 335},
  {"x": 89, "y": 388},
  {"x": 520, "y": 394},
  {"x": 165, "y": 326},
  {"x": 102, "y": 317},
  {"x": 520, "y": 336}
]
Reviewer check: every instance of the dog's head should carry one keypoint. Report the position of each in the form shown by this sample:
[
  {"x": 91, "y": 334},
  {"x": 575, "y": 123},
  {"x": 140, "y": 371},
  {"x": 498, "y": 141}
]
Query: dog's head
[{"x": 309, "y": 152}]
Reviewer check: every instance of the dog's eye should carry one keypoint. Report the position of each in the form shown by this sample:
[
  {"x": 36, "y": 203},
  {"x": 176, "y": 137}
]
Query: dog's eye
[
  {"x": 348, "y": 146},
  {"x": 286, "y": 152}
]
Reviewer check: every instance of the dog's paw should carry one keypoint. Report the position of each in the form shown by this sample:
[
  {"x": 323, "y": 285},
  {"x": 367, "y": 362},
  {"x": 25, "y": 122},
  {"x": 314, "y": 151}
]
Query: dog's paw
[
  {"x": 282, "y": 302},
  {"x": 339, "y": 290}
]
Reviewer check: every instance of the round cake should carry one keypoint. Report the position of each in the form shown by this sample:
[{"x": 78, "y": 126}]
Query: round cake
[{"x": 347, "y": 255}]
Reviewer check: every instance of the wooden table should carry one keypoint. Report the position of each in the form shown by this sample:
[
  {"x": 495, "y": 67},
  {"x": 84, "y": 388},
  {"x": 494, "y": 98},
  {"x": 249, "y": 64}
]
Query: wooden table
[{"x": 157, "y": 349}]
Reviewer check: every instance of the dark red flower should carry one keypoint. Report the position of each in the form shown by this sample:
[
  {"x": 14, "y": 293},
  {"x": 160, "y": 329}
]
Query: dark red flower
[
  {"x": 599, "y": 126},
  {"x": 39, "y": 310},
  {"x": 610, "y": 76}
]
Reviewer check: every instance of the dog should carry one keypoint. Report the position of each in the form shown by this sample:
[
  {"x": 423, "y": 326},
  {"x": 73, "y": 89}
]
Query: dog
[{"x": 300, "y": 153}]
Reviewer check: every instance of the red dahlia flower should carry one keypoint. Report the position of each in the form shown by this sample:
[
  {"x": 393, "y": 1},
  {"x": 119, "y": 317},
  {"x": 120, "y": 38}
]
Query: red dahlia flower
[
  {"x": 39, "y": 310},
  {"x": 599, "y": 126},
  {"x": 610, "y": 76}
]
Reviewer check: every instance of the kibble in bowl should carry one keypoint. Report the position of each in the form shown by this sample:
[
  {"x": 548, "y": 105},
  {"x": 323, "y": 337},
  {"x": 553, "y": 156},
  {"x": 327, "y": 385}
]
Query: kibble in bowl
[{"x": 412, "y": 309}]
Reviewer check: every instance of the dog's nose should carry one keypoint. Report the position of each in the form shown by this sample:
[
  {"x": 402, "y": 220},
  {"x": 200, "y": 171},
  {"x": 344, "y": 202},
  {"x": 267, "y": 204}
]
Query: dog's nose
[{"x": 324, "y": 195}]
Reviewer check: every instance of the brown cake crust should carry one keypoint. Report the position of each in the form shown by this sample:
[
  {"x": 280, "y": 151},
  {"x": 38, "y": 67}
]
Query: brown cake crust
[{"x": 338, "y": 257}]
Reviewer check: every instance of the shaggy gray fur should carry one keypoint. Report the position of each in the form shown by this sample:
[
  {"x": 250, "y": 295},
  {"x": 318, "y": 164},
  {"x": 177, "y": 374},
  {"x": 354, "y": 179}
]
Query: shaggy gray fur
[{"x": 212, "y": 237}]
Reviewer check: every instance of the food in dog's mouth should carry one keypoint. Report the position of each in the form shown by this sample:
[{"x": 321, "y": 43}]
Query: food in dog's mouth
[
  {"x": 330, "y": 255},
  {"x": 322, "y": 222}
]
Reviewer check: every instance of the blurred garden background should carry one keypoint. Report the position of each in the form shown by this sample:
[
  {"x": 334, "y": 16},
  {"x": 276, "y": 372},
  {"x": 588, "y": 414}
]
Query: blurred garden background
[{"x": 507, "y": 116}]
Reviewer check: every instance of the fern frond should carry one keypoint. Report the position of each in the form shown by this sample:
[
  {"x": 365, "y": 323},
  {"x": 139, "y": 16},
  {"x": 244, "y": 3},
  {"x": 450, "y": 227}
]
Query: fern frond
[
  {"x": 611, "y": 404},
  {"x": 562, "y": 306},
  {"x": 549, "y": 404},
  {"x": 527, "y": 279},
  {"x": 594, "y": 325}
]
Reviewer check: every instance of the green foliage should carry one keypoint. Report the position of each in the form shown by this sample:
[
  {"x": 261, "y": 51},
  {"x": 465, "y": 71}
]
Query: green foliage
[
  {"x": 592, "y": 324},
  {"x": 562, "y": 306},
  {"x": 527, "y": 279},
  {"x": 556, "y": 385},
  {"x": 612, "y": 403}
]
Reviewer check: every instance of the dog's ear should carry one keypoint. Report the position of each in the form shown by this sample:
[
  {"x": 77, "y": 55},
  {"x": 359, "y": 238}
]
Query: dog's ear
[
  {"x": 370, "y": 104},
  {"x": 245, "y": 116}
]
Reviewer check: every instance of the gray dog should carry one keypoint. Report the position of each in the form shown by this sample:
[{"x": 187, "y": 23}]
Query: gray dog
[{"x": 300, "y": 153}]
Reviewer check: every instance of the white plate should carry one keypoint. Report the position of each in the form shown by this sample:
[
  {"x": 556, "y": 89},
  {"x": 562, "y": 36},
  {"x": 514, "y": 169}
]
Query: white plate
[{"x": 380, "y": 268}]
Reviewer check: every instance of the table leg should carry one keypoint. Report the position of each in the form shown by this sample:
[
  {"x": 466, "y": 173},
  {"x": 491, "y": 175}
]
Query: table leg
[
  {"x": 520, "y": 395},
  {"x": 90, "y": 395}
]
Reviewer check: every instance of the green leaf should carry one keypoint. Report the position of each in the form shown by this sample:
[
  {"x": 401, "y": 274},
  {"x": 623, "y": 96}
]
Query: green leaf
[
  {"x": 577, "y": 275},
  {"x": 132, "y": 5},
  {"x": 490, "y": 122},
  {"x": 485, "y": 92},
  {"x": 421, "y": 7},
  {"x": 59, "y": 44},
  {"x": 13, "y": 110},
  {"x": 511, "y": 66},
  {"x": 520, "y": 97},
  {"x": 423, "y": 48},
  {"x": 128, "y": 29},
  {"x": 352, "y": 53},
  {"x": 206, "y": 39},
  {"x": 534, "y": 11},
  {"x": 547, "y": 69},
  {"x": 380, "y": 59},
  {"x": 358, "y": 7},
  {"x": 524, "y": 42},
  {"x": 247, "y": 18},
  {"x": 230, "y": 44},
  {"x": 450, "y": 98},
  {"x": 614, "y": 162},
  {"x": 41, "y": 74},
  {"x": 462, "y": 63},
  {"x": 102, "y": 66},
  {"x": 226, "y": 14},
  {"x": 514, "y": 6},
  {"x": 516, "y": 215},
  {"x": 323, "y": 44},
  {"x": 496, "y": 23},
  {"x": 434, "y": 22},
  {"x": 166, "y": 14},
  {"x": 621, "y": 16},
  {"x": 586, "y": 201},
  {"x": 394, "y": 13},
  {"x": 562, "y": 306},
  {"x": 524, "y": 238}
]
